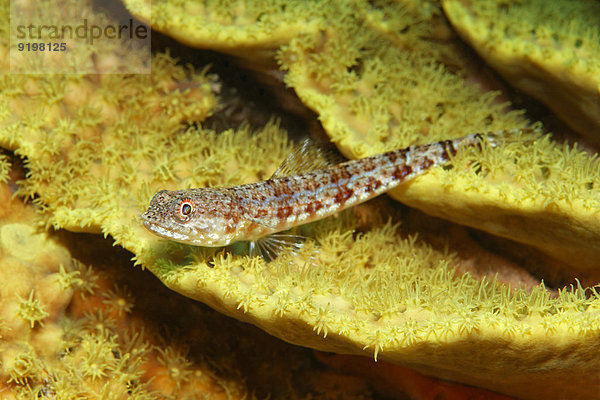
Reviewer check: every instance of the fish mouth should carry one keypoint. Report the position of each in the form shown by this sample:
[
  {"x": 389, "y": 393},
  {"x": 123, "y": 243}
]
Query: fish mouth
[
  {"x": 146, "y": 217},
  {"x": 178, "y": 235},
  {"x": 149, "y": 223}
]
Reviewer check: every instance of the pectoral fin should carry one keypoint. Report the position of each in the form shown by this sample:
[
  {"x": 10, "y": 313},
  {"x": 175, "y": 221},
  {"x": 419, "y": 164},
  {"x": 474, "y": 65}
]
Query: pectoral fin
[{"x": 271, "y": 246}]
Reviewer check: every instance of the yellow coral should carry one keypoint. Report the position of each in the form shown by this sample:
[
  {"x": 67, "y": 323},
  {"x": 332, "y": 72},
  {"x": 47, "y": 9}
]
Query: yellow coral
[
  {"x": 530, "y": 189},
  {"x": 549, "y": 50},
  {"x": 78, "y": 354},
  {"x": 373, "y": 94},
  {"x": 249, "y": 29},
  {"x": 397, "y": 303},
  {"x": 403, "y": 303}
]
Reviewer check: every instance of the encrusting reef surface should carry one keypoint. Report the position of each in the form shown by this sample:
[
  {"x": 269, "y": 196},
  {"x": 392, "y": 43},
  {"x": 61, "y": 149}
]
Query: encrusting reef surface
[{"x": 379, "y": 75}]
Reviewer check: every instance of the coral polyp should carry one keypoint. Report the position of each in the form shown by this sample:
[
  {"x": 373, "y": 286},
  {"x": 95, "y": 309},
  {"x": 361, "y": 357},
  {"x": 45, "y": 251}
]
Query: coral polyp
[{"x": 32, "y": 310}]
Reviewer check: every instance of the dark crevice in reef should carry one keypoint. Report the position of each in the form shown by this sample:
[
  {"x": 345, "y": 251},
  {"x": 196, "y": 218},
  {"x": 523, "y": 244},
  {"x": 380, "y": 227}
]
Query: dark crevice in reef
[{"x": 246, "y": 95}]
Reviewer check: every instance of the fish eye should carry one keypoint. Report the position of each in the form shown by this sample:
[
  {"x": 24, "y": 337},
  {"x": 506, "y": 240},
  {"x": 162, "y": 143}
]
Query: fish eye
[{"x": 185, "y": 208}]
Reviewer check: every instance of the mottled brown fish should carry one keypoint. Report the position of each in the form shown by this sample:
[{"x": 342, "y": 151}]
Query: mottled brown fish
[{"x": 223, "y": 215}]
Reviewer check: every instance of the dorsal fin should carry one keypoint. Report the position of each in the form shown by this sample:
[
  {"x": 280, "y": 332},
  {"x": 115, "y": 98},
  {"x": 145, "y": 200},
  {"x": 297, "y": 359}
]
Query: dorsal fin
[{"x": 307, "y": 156}]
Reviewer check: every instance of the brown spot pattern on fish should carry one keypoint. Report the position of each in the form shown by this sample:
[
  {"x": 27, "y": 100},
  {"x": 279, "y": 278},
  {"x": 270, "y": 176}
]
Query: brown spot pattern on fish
[
  {"x": 221, "y": 216},
  {"x": 402, "y": 171},
  {"x": 449, "y": 145}
]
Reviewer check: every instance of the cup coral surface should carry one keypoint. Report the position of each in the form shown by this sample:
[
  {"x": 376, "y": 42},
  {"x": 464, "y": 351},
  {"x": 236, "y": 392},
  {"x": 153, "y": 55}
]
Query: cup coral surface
[
  {"x": 374, "y": 94},
  {"x": 249, "y": 29},
  {"x": 550, "y": 50}
]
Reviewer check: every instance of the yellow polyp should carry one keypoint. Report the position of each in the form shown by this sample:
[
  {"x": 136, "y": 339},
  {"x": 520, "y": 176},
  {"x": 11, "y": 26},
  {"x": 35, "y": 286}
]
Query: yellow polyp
[
  {"x": 32, "y": 310},
  {"x": 176, "y": 364},
  {"x": 119, "y": 300},
  {"x": 4, "y": 168},
  {"x": 24, "y": 367}
]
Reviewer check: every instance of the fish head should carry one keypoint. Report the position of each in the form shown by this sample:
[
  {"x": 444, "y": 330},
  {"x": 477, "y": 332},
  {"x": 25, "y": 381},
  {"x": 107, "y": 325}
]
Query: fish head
[{"x": 200, "y": 217}]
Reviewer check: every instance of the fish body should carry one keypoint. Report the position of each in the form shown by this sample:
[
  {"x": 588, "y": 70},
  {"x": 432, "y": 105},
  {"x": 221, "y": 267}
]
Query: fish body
[{"x": 220, "y": 216}]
